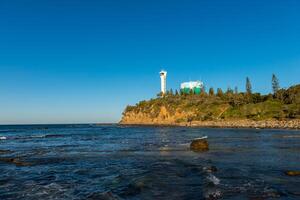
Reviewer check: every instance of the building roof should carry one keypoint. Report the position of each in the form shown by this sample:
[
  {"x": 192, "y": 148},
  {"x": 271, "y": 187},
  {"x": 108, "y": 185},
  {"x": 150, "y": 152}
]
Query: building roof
[{"x": 191, "y": 84}]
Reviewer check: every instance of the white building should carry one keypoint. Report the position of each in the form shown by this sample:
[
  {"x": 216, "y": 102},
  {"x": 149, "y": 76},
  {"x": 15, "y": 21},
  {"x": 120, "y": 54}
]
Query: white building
[
  {"x": 196, "y": 86},
  {"x": 163, "y": 81}
]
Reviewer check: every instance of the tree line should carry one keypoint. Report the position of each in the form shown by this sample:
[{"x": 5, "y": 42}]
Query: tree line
[
  {"x": 233, "y": 95},
  {"x": 219, "y": 92}
]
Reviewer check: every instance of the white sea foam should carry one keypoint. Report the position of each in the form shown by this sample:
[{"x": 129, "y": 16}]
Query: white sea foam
[
  {"x": 3, "y": 138},
  {"x": 213, "y": 179},
  {"x": 38, "y": 136},
  {"x": 201, "y": 138},
  {"x": 213, "y": 194},
  {"x": 291, "y": 136},
  {"x": 184, "y": 144}
]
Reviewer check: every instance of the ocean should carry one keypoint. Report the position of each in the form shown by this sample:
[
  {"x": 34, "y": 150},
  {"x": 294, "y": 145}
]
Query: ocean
[{"x": 129, "y": 162}]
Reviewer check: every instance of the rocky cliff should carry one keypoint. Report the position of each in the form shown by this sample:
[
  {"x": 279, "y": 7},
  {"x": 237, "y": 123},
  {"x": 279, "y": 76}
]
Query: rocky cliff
[{"x": 163, "y": 116}]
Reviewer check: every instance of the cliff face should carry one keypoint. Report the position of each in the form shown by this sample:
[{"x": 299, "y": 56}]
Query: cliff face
[
  {"x": 162, "y": 117},
  {"x": 228, "y": 110}
]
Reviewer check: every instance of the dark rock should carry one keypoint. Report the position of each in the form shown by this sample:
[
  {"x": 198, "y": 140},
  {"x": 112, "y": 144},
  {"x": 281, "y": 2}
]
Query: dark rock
[
  {"x": 199, "y": 145},
  {"x": 104, "y": 196},
  {"x": 272, "y": 193},
  {"x": 213, "y": 193},
  {"x": 210, "y": 169},
  {"x": 15, "y": 161},
  {"x": 134, "y": 189},
  {"x": 5, "y": 151},
  {"x": 292, "y": 173}
]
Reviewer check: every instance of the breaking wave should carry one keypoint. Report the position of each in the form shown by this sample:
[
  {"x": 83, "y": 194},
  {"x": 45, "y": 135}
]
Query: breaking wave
[
  {"x": 3, "y": 138},
  {"x": 31, "y": 137},
  {"x": 213, "y": 179}
]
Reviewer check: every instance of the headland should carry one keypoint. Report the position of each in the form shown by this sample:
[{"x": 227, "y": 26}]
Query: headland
[{"x": 221, "y": 109}]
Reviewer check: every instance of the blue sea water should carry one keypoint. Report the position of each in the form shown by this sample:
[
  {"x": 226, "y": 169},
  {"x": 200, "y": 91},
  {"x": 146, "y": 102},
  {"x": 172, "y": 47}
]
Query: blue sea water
[{"x": 127, "y": 162}]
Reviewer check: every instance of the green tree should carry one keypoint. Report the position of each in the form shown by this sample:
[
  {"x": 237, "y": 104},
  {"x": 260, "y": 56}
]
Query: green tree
[
  {"x": 275, "y": 84},
  {"x": 219, "y": 92},
  {"x": 256, "y": 98},
  {"x": 171, "y": 92},
  {"x": 211, "y": 91},
  {"x": 248, "y": 86},
  {"x": 192, "y": 91},
  {"x": 203, "y": 89},
  {"x": 229, "y": 91},
  {"x": 236, "y": 91},
  {"x": 182, "y": 92},
  {"x": 160, "y": 94},
  {"x": 203, "y": 92},
  {"x": 176, "y": 92}
]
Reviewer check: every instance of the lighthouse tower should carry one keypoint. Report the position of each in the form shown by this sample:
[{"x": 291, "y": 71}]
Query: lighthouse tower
[{"x": 163, "y": 81}]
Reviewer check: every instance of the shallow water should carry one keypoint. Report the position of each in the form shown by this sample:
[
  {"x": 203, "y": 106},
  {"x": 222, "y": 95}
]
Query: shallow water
[{"x": 114, "y": 162}]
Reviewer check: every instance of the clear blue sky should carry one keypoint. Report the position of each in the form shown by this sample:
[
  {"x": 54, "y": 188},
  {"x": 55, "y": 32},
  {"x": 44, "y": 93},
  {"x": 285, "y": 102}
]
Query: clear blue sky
[{"x": 84, "y": 61}]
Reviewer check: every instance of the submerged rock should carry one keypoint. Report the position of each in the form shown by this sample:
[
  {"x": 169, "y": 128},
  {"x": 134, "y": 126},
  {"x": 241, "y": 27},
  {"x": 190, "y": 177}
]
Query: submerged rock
[
  {"x": 210, "y": 169},
  {"x": 5, "y": 151},
  {"x": 15, "y": 161},
  {"x": 199, "y": 144},
  {"x": 134, "y": 188},
  {"x": 104, "y": 196},
  {"x": 213, "y": 193},
  {"x": 292, "y": 173},
  {"x": 272, "y": 193}
]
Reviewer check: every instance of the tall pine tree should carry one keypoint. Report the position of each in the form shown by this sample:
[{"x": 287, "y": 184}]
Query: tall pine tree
[
  {"x": 219, "y": 92},
  {"x": 275, "y": 84},
  {"x": 171, "y": 92},
  {"x": 236, "y": 91},
  {"x": 248, "y": 86},
  {"x": 211, "y": 91}
]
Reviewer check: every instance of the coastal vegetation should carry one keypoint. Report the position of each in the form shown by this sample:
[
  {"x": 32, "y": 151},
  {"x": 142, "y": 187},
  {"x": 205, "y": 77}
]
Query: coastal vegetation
[{"x": 180, "y": 107}]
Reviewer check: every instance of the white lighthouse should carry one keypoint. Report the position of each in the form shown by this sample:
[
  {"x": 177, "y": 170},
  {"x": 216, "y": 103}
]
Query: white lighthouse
[{"x": 163, "y": 81}]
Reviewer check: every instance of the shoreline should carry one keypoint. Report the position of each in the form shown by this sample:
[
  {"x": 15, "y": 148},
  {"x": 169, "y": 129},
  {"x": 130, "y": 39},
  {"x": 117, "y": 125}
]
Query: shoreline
[{"x": 293, "y": 124}]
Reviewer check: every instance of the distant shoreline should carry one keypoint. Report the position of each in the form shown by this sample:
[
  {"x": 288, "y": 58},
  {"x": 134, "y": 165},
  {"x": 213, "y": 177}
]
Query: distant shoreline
[{"x": 263, "y": 124}]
